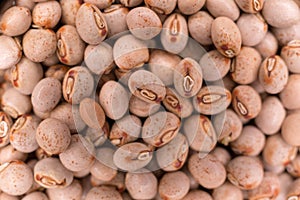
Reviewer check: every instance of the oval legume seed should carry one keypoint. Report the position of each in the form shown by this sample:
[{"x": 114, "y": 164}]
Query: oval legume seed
[
  {"x": 275, "y": 146},
  {"x": 73, "y": 191},
  {"x": 70, "y": 47},
  {"x": 220, "y": 8},
  {"x": 104, "y": 193},
  {"x": 268, "y": 46},
  {"x": 227, "y": 191},
  {"x": 39, "y": 44},
  {"x": 15, "y": 21},
  {"x": 25, "y": 75},
  {"x": 142, "y": 108},
  {"x": 46, "y": 94},
  {"x": 22, "y": 133},
  {"x": 289, "y": 13},
  {"x": 173, "y": 155},
  {"x": 160, "y": 128},
  {"x": 92, "y": 113},
  {"x": 115, "y": 17},
  {"x": 130, "y": 52},
  {"x": 250, "y": 143},
  {"x": 78, "y": 155},
  {"x": 174, "y": 35},
  {"x": 245, "y": 107},
  {"x": 114, "y": 100},
  {"x": 99, "y": 59},
  {"x": 162, "y": 64},
  {"x": 16, "y": 178},
  {"x": 69, "y": 10},
  {"x": 50, "y": 173},
  {"x": 289, "y": 129},
  {"x": 35, "y": 196},
  {"x": 9, "y": 154},
  {"x": 271, "y": 116},
  {"x": 187, "y": 77},
  {"x": 78, "y": 83},
  {"x": 53, "y": 136},
  {"x": 199, "y": 25},
  {"x": 141, "y": 185},
  {"x": 250, "y": 6},
  {"x": 212, "y": 100},
  {"x": 171, "y": 188},
  {"x": 200, "y": 134},
  {"x": 273, "y": 74},
  {"x": 214, "y": 65},
  {"x": 190, "y": 7},
  {"x": 46, "y": 14},
  {"x": 180, "y": 106},
  {"x": 208, "y": 171},
  {"x": 197, "y": 195},
  {"x": 11, "y": 52},
  {"x": 249, "y": 57},
  {"x": 100, "y": 4},
  {"x": 160, "y": 6},
  {"x": 245, "y": 172},
  {"x": 290, "y": 54},
  {"x": 91, "y": 24},
  {"x": 143, "y": 23},
  {"x": 132, "y": 156},
  {"x": 146, "y": 86},
  {"x": 269, "y": 187},
  {"x": 290, "y": 96},
  {"x": 226, "y": 36},
  {"x": 14, "y": 103}
]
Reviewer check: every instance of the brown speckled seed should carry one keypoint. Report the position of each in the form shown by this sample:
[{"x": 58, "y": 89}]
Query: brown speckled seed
[
  {"x": 25, "y": 75},
  {"x": 143, "y": 23},
  {"x": 173, "y": 185},
  {"x": 16, "y": 178},
  {"x": 103, "y": 193},
  {"x": 14, "y": 103},
  {"x": 46, "y": 94},
  {"x": 226, "y": 36},
  {"x": 273, "y": 74},
  {"x": 250, "y": 143},
  {"x": 290, "y": 95},
  {"x": 277, "y": 151},
  {"x": 220, "y": 8},
  {"x": 208, "y": 171},
  {"x": 50, "y": 173},
  {"x": 91, "y": 24},
  {"x": 113, "y": 98},
  {"x": 245, "y": 66},
  {"x": 53, "y": 136},
  {"x": 78, "y": 83},
  {"x": 70, "y": 47},
  {"x": 46, "y": 14},
  {"x": 39, "y": 44},
  {"x": 141, "y": 185},
  {"x": 23, "y": 132},
  {"x": 161, "y": 6},
  {"x": 271, "y": 116},
  {"x": 15, "y": 21},
  {"x": 69, "y": 10},
  {"x": 199, "y": 25},
  {"x": 227, "y": 191},
  {"x": 78, "y": 155},
  {"x": 246, "y": 102},
  {"x": 11, "y": 52},
  {"x": 245, "y": 172}
]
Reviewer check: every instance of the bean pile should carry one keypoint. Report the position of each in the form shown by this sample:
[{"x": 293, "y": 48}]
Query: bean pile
[{"x": 149, "y": 99}]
